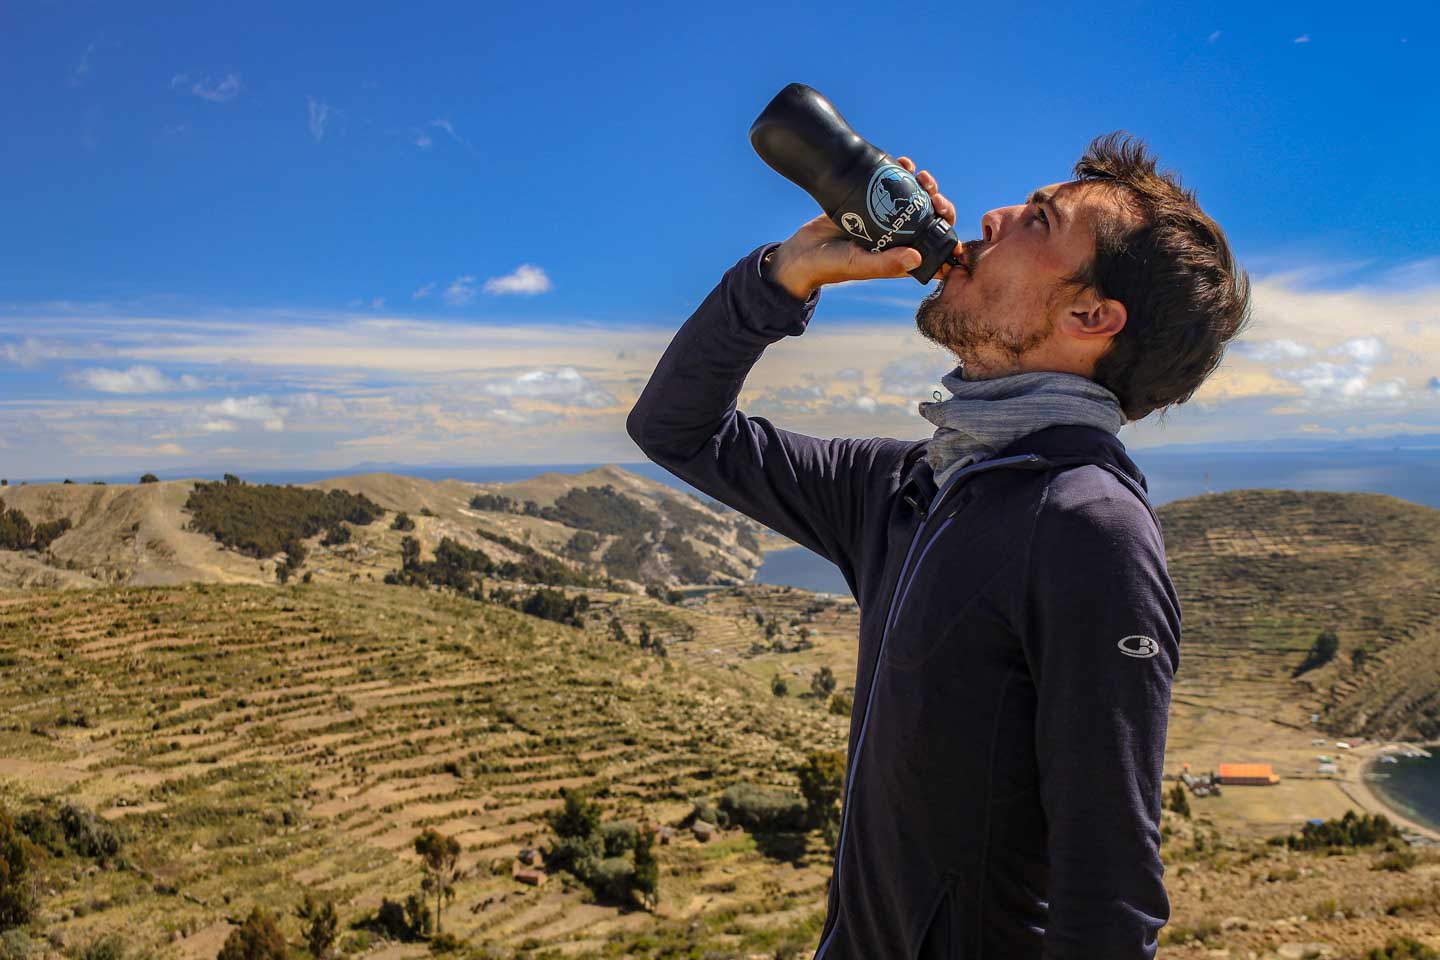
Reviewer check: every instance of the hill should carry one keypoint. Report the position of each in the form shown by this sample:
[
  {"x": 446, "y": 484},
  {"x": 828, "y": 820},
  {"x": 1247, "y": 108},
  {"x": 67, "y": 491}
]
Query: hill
[
  {"x": 1263, "y": 573},
  {"x": 250, "y": 744},
  {"x": 145, "y": 534}
]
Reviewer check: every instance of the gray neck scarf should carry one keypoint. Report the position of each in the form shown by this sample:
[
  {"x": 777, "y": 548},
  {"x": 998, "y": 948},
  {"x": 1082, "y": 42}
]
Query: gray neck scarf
[{"x": 982, "y": 417}]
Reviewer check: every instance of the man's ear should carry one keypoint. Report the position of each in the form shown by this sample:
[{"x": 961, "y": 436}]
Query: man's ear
[{"x": 1095, "y": 316}]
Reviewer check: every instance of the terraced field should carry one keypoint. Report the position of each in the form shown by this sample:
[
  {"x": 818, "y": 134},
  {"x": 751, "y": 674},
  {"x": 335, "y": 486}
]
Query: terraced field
[{"x": 255, "y": 742}]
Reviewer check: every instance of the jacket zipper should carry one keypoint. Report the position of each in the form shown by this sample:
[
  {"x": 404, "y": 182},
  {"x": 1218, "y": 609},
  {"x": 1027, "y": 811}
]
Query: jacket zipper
[{"x": 897, "y": 595}]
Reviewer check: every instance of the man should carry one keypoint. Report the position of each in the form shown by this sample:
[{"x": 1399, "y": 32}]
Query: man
[{"x": 1019, "y": 630}]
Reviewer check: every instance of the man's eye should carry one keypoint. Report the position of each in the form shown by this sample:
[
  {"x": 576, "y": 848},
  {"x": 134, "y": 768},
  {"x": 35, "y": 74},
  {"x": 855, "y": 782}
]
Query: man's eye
[{"x": 1040, "y": 215}]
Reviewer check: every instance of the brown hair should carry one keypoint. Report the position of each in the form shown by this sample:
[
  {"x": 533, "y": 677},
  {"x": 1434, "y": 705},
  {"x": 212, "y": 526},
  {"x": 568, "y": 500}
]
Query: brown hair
[{"x": 1170, "y": 265}]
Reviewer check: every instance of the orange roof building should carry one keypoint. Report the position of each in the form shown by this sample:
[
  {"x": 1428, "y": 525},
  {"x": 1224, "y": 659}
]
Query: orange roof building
[{"x": 1247, "y": 774}]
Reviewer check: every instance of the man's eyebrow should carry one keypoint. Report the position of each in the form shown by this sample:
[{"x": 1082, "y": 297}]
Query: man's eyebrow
[{"x": 1048, "y": 199}]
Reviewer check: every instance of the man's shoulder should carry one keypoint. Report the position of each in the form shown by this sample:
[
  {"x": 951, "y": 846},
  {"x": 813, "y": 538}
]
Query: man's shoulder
[{"x": 1088, "y": 499}]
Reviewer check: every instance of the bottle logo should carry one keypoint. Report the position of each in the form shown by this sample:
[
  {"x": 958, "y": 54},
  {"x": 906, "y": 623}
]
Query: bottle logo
[
  {"x": 855, "y": 224},
  {"x": 896, "y": 201}
]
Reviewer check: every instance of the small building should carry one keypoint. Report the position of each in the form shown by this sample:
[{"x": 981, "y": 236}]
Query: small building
[
  {"x": 1247, "y": 774},
  {"x": 1327, "y": 770}
]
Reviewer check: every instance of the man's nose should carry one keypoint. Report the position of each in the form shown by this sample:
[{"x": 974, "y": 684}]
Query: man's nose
[{"x": 993, "y": 224}]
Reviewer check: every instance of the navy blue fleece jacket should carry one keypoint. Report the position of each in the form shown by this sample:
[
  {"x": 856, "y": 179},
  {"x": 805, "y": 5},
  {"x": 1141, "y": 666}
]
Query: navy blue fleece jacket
[{"x": 1019, "y": 633}]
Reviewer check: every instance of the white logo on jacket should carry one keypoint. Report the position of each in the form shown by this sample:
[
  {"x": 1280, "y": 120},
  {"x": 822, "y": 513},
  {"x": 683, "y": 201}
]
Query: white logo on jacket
[{"x": 1136, "y": 645}]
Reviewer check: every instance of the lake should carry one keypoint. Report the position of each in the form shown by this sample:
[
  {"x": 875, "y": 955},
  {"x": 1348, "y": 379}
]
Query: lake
[
  {"x": 1412, "y": 475},
  {"x": 1412, "y": 787}
]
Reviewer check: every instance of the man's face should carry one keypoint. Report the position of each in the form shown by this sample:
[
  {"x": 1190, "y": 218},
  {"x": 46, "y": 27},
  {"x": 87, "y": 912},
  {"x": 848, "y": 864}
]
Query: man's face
[{"x": 997, "y": 313}]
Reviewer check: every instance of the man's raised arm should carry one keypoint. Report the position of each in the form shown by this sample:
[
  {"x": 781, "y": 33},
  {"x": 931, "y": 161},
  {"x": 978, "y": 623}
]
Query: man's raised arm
[{"x": 686, "y": 420}]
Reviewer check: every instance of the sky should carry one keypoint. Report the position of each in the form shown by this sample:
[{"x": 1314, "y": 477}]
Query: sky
[{"x": 311, "y": 236}]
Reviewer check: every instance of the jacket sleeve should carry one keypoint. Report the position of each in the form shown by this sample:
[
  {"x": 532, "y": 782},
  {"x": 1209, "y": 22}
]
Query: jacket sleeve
[
  {"x": 808, "y": 489},
  {"x": 1102, "y": 643}
]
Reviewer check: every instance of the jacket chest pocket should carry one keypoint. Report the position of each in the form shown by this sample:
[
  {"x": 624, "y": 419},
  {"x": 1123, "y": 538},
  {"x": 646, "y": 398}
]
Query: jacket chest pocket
[{"x": 954, "y": 576}]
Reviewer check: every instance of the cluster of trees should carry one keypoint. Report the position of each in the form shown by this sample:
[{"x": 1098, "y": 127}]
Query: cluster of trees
[
  {"x": 66, "y": 830},
  {"x": 1350, "y": 830},
  {"x": 18, "y": 533},
  {"x": 499, "y": 504},
  {"x": 547, "y": 603},
  {"x": 647, "y": 641},
  {"x": 261, "y": 520},
  {"x": 616, "y": 860},
  {"x": 462, "y": 568}
]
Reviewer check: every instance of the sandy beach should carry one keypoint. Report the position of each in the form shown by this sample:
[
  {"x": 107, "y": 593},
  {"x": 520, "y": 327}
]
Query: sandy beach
[{"x": 1357, "y": 788}]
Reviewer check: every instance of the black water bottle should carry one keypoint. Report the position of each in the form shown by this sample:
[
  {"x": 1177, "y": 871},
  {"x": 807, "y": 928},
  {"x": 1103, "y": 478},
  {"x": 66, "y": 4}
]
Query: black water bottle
[{"x": 859, "y": 186}]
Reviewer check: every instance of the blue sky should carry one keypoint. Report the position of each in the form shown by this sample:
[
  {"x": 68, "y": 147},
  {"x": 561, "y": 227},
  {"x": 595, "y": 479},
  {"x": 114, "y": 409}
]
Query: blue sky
[{"x": 313, "y": 235}]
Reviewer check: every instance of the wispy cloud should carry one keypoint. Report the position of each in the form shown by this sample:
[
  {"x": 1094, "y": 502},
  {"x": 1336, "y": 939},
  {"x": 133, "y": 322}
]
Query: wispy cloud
[
  {"x": 136, "y": 379},
  {"x": 1215, "y": 35},
  {"x": 424, "y": 138},
  {"x": 527, "y": 279},
  {"x": 460, "y": 291},
  {"x": 1303, "y": 38},
  {"x": 424, "y": 291},
  {"x": 81, "y": 71},
  {"x": 225, "y": 89},
  {"x": 321, "y": 114}
]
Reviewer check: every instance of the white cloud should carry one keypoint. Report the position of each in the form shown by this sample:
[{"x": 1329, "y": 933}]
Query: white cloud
[
  {"x": 527, "y": 279},
  {"x": 423, "y": 292},
  {"x": 216, "y": 91},
  {"x": 257, "y": 409},
  {"x": 218, "y": 426},
  {"x": 1215, "y": 35},
  {"x": 321, "y": 113},
  {"x": 1270, "y": 351},
  {"x": 1303, "y": 38},
  {"x": 1363, "y": 350},
  {"x": 460, "y": 292},
  {"x": 565, "y": 386},
  {"x": 137, "y": 379},
  {"x": 849, "y": 373}
]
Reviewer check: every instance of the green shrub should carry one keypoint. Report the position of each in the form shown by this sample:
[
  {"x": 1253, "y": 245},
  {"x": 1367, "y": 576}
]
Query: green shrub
[
  {"x": 763, "y": 809},
  {"x": 17, "y": 882},
  {"x": 618, "y": 837},
  {"x": 1402, "y": 948},
  {"x": 1350, "y": 830},
  {"x": 258, "y": 938}
]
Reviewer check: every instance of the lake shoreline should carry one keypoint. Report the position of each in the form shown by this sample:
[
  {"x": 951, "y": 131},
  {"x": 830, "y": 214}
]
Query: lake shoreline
[{"x": 1358, "y": 788}]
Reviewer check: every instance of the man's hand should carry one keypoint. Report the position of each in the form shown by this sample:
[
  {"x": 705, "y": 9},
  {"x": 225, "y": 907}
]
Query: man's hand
[{"x": 820, "y": 252}]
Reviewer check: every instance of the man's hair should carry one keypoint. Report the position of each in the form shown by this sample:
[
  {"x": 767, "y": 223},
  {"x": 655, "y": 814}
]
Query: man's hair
[{"x": 1170, "y": 265}]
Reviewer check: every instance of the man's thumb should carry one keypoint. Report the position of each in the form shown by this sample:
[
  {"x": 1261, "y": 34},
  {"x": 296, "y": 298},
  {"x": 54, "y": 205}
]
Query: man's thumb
[{"x": 907, "y": 259}]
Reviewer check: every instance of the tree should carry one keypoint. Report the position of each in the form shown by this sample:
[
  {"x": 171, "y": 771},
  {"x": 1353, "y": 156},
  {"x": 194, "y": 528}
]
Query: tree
[
  {"x": 822, "y": 682},
  {"x": 822, "y": 783},
  {"x": 417, "y": 916},
  {"x": 440, "y": 854},
  {"x": 409, "y": 552},
  {"x": 258, "y": 938},
  {"x": 16, "y": 531},
  {"x": 841, "y": 705},
  {"x": 647, "y": 867},
  {"x": 1179, "y": 802},
  {"x": 321, "y": 922},
  {"x": 644, "y": 636},
  {"x": 1322, "y": 651},
  {"x": 17, "y": 885},
  {"x": 578, "y": 818},
  {"x": 149, "y": 478},
  {"x": 617, "y": 631},
  {"x": 402, "y": 521},
  {"x": 778, "y": 686}
]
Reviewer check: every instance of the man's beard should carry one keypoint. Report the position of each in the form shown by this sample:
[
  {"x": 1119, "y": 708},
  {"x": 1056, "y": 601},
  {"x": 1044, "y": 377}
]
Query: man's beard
[{"x": 962, "y": 331}]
